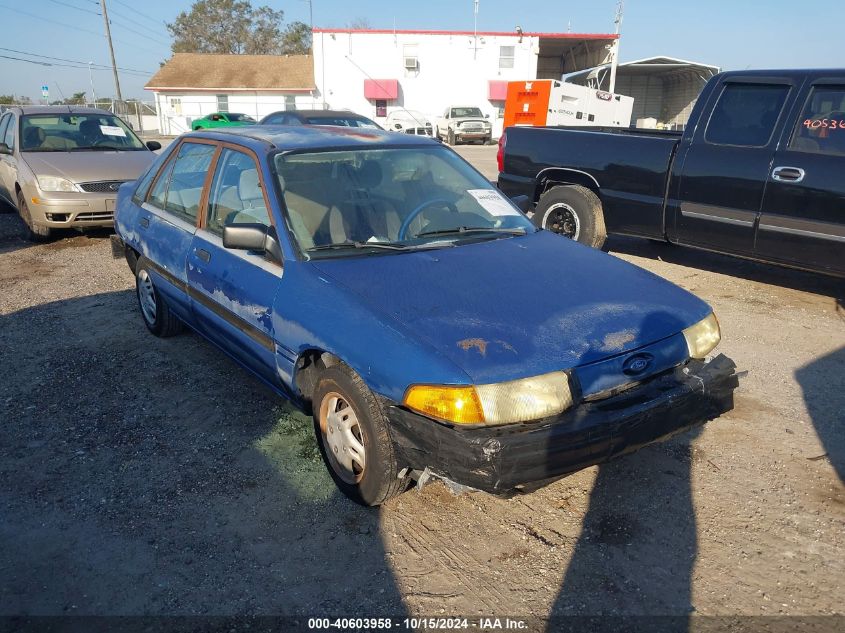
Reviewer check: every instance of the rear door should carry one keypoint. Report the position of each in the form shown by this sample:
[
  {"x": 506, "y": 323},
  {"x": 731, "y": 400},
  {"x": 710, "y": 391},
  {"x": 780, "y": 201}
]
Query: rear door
[
  {"x": 167, "y": 221},
  {"x": 232, "y": 291},
  {"x": 803, "y": 216},
  {"x": 725, "y": 168}
]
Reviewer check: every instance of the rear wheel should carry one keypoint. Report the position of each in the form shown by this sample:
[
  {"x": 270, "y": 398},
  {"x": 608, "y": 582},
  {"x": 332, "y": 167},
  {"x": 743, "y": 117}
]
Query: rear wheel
[
  {"x": 354, "y": 439},
  {"x": 574, "y": 212},
  {"x": 154, "y": 309},
  {"x": 34, "y": 232}
]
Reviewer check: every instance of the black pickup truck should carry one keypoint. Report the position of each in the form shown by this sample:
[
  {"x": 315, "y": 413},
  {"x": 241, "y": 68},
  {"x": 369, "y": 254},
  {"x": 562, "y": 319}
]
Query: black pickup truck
[{"x": 759, "y": 172}]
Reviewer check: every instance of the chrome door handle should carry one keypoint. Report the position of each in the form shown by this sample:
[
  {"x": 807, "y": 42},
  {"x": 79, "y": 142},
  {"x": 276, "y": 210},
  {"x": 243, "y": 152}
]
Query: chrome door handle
[{"x": 788, "y": 174}]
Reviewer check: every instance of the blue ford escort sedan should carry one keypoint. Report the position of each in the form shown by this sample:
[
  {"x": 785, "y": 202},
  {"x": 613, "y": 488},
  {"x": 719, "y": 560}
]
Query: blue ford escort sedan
[{"x": 384, "y": 286}]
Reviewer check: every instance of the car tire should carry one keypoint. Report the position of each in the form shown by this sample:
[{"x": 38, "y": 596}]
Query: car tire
[
  {"x": 157, "y": 315},
  {"x": 347, "y": 420},
  {"x": 34, "y": 232},
  {"x": 199, "y": 127},
  {"x": 450, "y": 137},
  {"x": 574, "y": 212}
]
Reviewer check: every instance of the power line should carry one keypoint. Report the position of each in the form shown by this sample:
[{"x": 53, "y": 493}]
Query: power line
[
  {"x": 150, "y": 34},
  {"x": 60, "y": 65},
  {"x": 131, "y": 29},
  {"x": 73, "y": 6},
  {"x": 135, "y": 11},
  {"x": 74, "y": 61},
  {"x": 75, "y": 28}
]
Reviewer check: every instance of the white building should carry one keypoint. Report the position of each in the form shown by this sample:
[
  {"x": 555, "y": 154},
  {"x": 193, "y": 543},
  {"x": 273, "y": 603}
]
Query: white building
[
  {"x": 373, "y": 72},
  {"x": 191, "y": 85}
]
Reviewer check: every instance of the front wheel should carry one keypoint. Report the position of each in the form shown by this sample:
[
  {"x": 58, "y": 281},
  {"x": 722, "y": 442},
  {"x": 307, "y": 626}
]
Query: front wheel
[
  {"x": 154, "y": 309},
  {"x": 34, "y": 232},
  {"x": 574, "y": 212},
  {"x": 354, "y": 439},
  {"x": 450, "y": 137}
]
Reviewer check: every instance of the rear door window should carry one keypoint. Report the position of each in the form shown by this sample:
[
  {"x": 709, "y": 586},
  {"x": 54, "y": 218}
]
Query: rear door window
[
  {"x": 746, "y": 114},
  {"x": 821, "y": 128},
  {"x": 187, "y": 179}
]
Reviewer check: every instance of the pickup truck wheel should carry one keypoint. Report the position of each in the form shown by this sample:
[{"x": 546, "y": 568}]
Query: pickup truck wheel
[
  {"x": 154, "y": 309},
  {"x": 34, "y": 232},
  {"x": 574, "y": 212},
  {"x": 450, "y": 136},
  {"x": 354, "y": 440}
]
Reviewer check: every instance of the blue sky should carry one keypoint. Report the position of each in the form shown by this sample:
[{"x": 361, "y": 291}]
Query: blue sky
[{"x": 733, "y": 34}]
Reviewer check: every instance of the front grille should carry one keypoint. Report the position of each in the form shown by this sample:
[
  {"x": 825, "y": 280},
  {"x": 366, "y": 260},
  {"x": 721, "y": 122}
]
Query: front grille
[
  {"x": 104, "y": 186},
  {"x": 94, "y": 216}
]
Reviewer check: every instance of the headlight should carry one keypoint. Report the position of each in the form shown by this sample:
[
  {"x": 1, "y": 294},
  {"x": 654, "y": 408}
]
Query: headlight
[
  {"x": 499, "y": 403},
  {"x": 703, "y": 337},
  {"x": 54, "y": 183}
]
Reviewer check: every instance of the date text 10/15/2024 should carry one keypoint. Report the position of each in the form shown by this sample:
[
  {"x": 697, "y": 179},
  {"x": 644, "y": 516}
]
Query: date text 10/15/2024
[{"x": 413, "y": 624}]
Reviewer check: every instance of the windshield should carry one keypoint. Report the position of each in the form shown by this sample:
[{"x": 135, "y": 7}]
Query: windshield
[
  {"x": 77, "y": 132},
  {"x": 240, "y": 117},
  {"x": 460, "y": 113},
  {"x": 344, "y": 122},
  {"x": 340, "y": 203}
]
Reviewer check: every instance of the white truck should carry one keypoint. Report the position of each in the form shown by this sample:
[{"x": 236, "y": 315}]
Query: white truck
[{"x": 461, "y": 124}]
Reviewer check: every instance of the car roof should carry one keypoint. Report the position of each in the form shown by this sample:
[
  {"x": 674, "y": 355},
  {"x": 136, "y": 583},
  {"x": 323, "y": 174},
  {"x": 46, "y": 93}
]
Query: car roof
[
  {"x": 63, "y": 109},
  {"x": 318, "y": 137},
  {"x": 789, "y": 73}
]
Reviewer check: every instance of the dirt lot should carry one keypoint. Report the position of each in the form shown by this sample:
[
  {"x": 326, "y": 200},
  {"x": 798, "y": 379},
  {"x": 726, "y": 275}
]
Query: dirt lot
[{"x": 153, "y": 476}]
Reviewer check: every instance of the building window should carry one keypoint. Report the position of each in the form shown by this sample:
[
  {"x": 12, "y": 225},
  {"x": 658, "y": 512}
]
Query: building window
[
  {"x": 506, "y": 54},
  {"x": 222, "y": 103},
  {"x": 176, "y": 105},
  {"x": 290, "y": 102},
  {"x": 381, "y": 107}
]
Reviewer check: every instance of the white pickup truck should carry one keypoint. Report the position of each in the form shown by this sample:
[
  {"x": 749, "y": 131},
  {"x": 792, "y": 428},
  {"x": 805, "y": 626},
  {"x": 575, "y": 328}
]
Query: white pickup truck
[{"x": 463, "y": 123}]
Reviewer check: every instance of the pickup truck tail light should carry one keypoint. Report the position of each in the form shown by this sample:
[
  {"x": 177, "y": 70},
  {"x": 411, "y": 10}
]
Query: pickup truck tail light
[{"x": 500, "y": 155}]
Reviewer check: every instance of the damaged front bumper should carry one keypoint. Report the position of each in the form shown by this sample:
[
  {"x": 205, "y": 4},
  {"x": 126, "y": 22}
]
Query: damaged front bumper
[{"x": 501, "y": 460}]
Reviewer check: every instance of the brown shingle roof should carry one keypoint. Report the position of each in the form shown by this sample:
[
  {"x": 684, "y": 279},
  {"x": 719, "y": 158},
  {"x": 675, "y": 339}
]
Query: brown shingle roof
[{"x": 202, "y": 71}]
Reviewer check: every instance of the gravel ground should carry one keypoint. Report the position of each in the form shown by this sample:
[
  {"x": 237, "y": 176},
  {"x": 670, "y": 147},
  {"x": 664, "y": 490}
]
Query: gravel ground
[{"x": 147, "y": 476}]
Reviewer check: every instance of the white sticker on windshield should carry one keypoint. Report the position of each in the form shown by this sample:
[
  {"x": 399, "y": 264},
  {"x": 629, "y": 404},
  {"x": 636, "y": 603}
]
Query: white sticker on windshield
[
  {"x": 112, "y": 130},
  {"x": 493, "y": 202}
]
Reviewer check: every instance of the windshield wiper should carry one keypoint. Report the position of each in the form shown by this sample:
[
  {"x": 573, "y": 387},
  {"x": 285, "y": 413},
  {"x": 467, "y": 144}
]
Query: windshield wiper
[
  {"x": 463, "y": 230},
  {"x": 341, "y": 245}
]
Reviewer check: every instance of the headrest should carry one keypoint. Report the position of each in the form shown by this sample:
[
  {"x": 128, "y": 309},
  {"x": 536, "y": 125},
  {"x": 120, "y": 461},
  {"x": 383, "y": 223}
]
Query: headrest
[
  {"x": 369, "y": 174},
  {"x": 248, "y": 185},
  {"x": 34, "y": 136},
  {"x": 89, "y": 127}
]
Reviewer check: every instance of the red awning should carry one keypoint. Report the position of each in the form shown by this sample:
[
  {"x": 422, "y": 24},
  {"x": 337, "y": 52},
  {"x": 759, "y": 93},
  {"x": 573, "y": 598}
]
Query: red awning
[
  {"x": 497, "y": 90},
  {"x": 381, "y": 88}
]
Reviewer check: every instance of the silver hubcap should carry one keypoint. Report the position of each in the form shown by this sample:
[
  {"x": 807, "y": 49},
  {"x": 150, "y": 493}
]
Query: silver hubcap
[
  {"x": 147, "y": 296},
  {"x": 342, "y": 438},
  {"x": 561, "y": 218}
]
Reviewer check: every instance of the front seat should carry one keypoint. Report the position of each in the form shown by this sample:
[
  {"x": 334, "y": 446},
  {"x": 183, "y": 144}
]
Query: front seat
[{"x": 250, "y": 200}]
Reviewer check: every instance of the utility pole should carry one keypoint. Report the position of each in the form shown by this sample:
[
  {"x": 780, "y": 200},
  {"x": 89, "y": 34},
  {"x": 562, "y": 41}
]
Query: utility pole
[
  {"x": 111, "y": 50},
  {"x": 91, "y": 79},
  {"x": 615, "y": 61},
  {"x": 475, "y": 31}
]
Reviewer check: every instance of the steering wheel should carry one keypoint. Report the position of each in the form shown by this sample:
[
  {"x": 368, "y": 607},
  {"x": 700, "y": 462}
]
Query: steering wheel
[
  {"x": 101, "y": 141},
  {"x": 403, "y": 230}
]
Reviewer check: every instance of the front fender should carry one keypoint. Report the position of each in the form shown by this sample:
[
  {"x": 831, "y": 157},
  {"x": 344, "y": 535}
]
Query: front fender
[{"x": 313, "y": 311}]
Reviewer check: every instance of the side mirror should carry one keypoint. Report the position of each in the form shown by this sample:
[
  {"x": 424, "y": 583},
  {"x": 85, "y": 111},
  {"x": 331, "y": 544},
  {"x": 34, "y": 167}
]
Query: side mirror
[
  {"x": 397, "y": 126},
  {"x": 253, "y": 237},
  {"x": 5, "y": 149},
  {"x": 522, "y": 202},
  {"x": 153, "y": 146},
  {"x": 486, "y": 116}
]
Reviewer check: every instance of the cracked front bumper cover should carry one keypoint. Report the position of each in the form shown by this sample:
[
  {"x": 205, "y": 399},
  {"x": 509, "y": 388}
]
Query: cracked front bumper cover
[{"x": 500, "y": 460}]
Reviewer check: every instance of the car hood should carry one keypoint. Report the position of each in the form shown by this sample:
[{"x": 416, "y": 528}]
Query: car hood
[
  {"x": 90, "y": 166},
  {"x": 521, "y": 306}
]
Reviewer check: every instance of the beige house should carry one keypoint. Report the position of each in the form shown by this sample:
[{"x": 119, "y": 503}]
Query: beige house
[{"x": 191, "y": 85}]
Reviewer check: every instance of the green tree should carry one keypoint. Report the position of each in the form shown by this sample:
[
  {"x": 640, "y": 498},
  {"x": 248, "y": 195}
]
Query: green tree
[
  {"x": 12, "y": 99},
  {"x": 236, "y": 27}
]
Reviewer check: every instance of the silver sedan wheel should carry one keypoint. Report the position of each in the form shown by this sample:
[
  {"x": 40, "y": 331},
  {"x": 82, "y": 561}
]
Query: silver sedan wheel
[
  {"x": 147, "y": 296},
  {"x": 343, "y": 438}
]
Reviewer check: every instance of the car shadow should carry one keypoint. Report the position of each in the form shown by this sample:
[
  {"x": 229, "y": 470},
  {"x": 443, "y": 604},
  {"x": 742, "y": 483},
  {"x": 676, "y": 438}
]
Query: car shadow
[
  {"x": 823, "y": 384},
  {"x": 13, "y": 234},
  {"x": 638, "y": 543},
  {"x": 727, "y": 265},
  {"x": 154, "y": 476}
]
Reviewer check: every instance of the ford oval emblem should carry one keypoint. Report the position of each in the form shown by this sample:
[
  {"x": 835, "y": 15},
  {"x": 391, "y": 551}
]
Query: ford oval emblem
[{"x": 637, "y": 364}]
